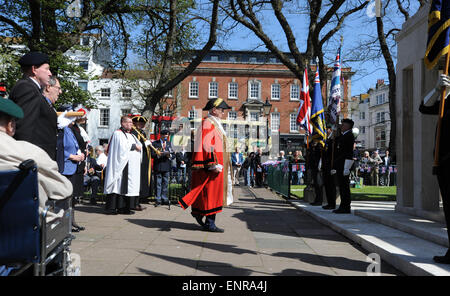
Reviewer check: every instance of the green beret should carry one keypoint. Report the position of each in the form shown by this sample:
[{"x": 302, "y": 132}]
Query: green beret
[
  {"x": 34, "y": 59},
  {"x": 9, "y": 107}
]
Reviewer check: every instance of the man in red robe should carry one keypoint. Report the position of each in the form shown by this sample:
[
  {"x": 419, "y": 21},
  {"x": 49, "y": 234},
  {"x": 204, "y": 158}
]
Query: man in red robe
[{"x": 211, "y": 169}]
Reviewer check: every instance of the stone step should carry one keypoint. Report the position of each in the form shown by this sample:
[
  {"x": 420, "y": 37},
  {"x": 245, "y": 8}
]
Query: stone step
[
  {"x": 426, "y": 229},
  {"x": 406, "y": 252}
]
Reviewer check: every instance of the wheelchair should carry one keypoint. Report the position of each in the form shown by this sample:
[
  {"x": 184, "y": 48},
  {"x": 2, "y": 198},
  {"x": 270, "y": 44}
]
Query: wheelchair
[{"x": 29, "y": 244}]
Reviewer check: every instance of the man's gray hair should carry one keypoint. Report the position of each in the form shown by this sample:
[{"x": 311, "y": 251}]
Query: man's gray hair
[
  {"x": 100, "y": 148},
  {"x": 52, "y": 81}
]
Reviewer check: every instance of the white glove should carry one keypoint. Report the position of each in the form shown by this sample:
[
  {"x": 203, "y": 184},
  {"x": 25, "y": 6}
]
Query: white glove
[
  {"x": 333, "y": 172},
  {"x": 319, "y": 167},
  {"x": 347, "y": 165},
  {"x": 435, "y": 94},
  {"x": 147, "y": 142},
  {"x": 64, "y": 121}
]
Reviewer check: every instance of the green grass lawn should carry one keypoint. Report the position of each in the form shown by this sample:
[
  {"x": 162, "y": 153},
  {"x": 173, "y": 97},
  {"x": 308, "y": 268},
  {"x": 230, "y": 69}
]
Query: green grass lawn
[{"x": 372, "y": 193}]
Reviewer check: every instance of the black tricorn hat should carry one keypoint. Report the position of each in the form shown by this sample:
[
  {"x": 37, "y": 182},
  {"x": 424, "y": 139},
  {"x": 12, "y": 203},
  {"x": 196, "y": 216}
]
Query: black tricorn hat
[
  {"x": 349, "y": 121},
  {"x": 34, "y": 59},
  {"x": 165, "y": 132},
  {"x": 218, "y": 103},
  {"x": 139, "y": 118}
]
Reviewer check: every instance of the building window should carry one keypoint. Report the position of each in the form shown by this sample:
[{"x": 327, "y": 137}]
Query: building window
[
  {"x": 105, "y": 92},
  {"x": 84, "y": 65},
  {"x": 213, "y": 90},
  {"x": 380, "y": 99},
  {"x": 214, "y": 58},
  {"x": 126, "y": 93},
  {"x": 83, "y": 85},
  {"x": 254, "y": 116},
  {"x": 192, "y": 115},
  {"x": 169, "y": 94},
  {"x": 273, "y": 60},
  {"x": 233, "y": 131},
  {"x": 193, "y": 89},
  {"x": 380, "y": 139},
  {"x": 362, "y": 115},
  {"x": 252, "y": 60},
  {"x": 85, "y": 40},
  {"x": 104, "y": 117},
  {"x": 295, "y": 92},
  {"x": 379, "y": 117},
  {"x": 362, "y": 129},
  {"x": 275, "y": 121},
  {"x": 233, "y": 59},
  {"x": 232, "y": 90},
  {"x": 293, "y": 123},
  {"x": 232, "y": 115},
  {"x": 275, "y": 91},
  {"x": 254, "y": 90}
]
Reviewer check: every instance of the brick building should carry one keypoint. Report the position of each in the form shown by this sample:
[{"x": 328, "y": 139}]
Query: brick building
[{"x": 247, "y": 80}]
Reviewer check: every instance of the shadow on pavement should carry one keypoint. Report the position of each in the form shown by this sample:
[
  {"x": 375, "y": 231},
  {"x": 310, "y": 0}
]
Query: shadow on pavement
[
  {"x": 165, "y": 225},
  {"x": 218, "y": 247}
]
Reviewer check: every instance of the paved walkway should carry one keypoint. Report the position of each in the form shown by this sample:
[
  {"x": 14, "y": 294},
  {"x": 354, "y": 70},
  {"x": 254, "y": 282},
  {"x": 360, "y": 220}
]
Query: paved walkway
[{"x": 264, "y": 235}]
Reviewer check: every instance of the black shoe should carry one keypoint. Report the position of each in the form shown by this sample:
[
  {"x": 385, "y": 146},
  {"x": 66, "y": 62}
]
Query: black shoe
[
  {"x": 126, "y": 212},
  {"x": 215, "y": 229},
  {"x": 342, "y": 211},
  {"x": 328, "y": 207},
  {"x": 316, "y": 203},
  {"x": 158, "y": 203},
  {"x": 442, "y": 259},
  {"x": 76, "y": 226},
  {"x": 75, "y": 229},
  {"x": 110, "y": 212}
]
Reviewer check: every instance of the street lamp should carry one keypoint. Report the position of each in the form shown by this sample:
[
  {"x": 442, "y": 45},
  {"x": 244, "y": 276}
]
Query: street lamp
[{"x": 267, "y": 107}]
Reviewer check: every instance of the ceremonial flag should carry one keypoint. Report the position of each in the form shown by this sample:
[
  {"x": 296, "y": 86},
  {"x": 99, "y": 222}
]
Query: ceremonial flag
[
  {"x": 438, "y": 32},
  {"x": 304, "y": 110},
  {"x": 334, "y": 101},
  {"x": 317, "y": 112}
]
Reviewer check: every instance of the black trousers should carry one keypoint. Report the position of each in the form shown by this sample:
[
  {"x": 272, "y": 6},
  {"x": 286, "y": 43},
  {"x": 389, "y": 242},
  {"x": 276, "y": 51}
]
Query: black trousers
[
  {"x": 344, "y": 190},
  {"x": 317, "y": 188},
  {"x": 330, "y": 187},
  {"x": 443, "y": 177}
]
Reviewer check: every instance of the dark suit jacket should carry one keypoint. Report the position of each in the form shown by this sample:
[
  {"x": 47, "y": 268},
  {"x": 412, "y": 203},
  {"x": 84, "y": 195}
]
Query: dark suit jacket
[
  {"x": 186, "y": 158},
  {"x": 344, "y": 150},
  {"x": 39, "y": 125},
  {"x": 163, "y": 163},
  {"x": 444, "y": 143}
]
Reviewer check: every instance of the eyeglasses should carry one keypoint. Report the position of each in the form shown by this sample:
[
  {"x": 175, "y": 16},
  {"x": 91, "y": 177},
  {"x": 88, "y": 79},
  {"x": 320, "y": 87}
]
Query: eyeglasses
[{"x": 59, "y": 88}]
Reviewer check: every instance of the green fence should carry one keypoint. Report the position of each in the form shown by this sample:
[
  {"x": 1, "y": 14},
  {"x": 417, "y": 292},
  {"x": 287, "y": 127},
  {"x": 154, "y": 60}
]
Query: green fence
[{"x": 278, "y": 177}]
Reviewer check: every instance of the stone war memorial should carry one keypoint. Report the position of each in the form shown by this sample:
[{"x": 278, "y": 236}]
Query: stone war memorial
[{"x": 418, "y": 190}]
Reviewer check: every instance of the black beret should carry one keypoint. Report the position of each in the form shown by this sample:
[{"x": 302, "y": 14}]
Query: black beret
[
  {"x": 349, "y": 121},
  {"x": 218, "y": 103},
  {"x": 34, "y": 59},
  {"x": 9, "y": 107}
]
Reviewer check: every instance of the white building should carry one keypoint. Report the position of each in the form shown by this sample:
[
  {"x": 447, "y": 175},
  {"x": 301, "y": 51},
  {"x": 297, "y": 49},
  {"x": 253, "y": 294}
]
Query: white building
[
  {"x": 370, "y": 112},
  {"x": 379, "y": 125}
]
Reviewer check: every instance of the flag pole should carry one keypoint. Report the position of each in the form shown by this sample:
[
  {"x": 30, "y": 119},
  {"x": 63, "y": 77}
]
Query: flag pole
[{"x": 441, "y": 115}]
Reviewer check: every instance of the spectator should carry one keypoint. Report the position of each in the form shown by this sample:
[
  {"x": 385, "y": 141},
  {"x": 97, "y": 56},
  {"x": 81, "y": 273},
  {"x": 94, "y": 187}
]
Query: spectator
[
  {"x": 101, "y": 159},
  {"x": 258, "y": 168},
  {"x": 182, "y": 162},
  {"x": 366, "y": 167},
  {"x": 376, "y": 168},
  {"x": 281, "y": 156},
  {"x": 236, "y": 161},
  {"x": 92, "y": 177},
  {"x": 52, "y": 185}
]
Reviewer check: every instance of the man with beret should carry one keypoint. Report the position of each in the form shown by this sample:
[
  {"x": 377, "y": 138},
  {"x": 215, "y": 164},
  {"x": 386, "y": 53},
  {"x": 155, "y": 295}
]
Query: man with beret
[
  {"x": 343, "y": 161},
  {"x": 162, "y": 165},
  {"x": 39, "y": 123},
  {"x": 211, "y": 169},
  {"x": 52, "y": 185},
  {"x": 139, "y": 122}
]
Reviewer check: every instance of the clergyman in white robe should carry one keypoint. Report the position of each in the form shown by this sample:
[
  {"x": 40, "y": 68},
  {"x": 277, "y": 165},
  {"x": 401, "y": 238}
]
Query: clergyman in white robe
[{"x": 123, "y": 169}]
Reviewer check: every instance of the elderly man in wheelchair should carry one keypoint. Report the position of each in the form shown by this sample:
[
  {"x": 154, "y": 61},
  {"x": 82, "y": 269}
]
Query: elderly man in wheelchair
[{"x": 35, "y": 212}]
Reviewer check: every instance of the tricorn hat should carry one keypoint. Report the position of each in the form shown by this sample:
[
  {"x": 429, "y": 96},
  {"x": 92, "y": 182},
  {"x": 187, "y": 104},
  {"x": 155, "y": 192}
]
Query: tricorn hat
[
  {"x": 165, "y": 132},
  {"x": 139, "y": 118},
  {"x": 33, "y": 59},
  {"x": 218, "y": 103},
  {"x": 9, "y": 107}
]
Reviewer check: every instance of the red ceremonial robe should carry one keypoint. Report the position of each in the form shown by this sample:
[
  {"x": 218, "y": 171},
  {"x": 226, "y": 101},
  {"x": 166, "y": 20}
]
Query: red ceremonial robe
[{"x": 209, "y": 189}]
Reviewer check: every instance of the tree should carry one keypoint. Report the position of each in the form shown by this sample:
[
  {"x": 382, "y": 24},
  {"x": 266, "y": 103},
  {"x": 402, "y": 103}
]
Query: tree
[
  {"x": 324, "y": 21},
  {"x": 49, "y": 26}
]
